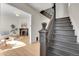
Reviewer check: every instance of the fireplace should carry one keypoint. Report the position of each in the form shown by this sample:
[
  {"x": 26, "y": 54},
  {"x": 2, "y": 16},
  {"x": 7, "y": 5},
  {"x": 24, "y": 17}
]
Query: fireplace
[{"x": 23, "y": 31}]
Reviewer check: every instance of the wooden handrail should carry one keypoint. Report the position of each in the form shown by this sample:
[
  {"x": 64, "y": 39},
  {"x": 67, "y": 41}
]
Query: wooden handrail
[{"x": 51, "y": 25}]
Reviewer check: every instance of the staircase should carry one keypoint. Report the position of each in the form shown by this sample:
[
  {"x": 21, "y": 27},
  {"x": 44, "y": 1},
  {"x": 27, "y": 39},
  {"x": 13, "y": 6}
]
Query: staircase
[
  {"x": 48, "y": 12},
  {"x": 63, "y": 41}
]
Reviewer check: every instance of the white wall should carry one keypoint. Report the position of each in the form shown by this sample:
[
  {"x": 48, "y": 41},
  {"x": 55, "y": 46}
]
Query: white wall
[
  {"x": 37, "y": 19},
  {"x": 74, "y": 15},
  {"x": 41, "y": 6},
  {"x": 6, "y": 22},
  {"x": 61, "y": 10}
]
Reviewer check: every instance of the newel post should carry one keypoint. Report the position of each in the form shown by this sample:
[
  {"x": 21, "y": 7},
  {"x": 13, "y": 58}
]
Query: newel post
[{"x": 43, "y": 39}]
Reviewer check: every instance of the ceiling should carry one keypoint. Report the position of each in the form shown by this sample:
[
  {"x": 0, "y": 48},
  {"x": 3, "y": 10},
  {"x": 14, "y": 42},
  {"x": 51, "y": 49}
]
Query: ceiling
[
  {"x": 10, "y": 11},
  {"x": 41, "y": 6}
]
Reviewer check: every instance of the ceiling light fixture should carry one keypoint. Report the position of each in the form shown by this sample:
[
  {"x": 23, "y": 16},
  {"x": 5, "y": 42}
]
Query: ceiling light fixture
[{"x": 17, "y": 15}]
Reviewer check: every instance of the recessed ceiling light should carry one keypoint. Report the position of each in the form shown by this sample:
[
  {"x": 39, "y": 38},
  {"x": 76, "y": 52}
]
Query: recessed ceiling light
[{"x": 17, "y": 15}]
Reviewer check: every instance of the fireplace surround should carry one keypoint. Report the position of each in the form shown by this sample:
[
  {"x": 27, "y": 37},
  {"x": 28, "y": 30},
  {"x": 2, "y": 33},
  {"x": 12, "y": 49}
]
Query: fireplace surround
[{"x": 23, "y": 31}]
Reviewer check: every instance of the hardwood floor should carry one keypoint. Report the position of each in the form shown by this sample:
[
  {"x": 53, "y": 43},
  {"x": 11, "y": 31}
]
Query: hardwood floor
[
  {"x": 24, "y": 39},
  {"x": 27, "y": 50}
]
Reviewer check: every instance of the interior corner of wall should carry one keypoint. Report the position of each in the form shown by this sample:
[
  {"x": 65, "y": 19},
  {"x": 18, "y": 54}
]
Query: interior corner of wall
[
  {"x": 77, "y": 34},
  {"x": 77, "y": 39}
]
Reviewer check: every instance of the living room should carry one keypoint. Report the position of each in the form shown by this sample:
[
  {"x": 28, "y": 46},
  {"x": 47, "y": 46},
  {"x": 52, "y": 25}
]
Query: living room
[{"x": 15, "y": 27}]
